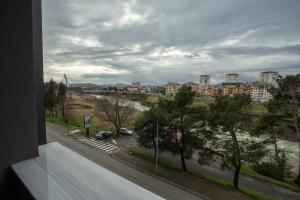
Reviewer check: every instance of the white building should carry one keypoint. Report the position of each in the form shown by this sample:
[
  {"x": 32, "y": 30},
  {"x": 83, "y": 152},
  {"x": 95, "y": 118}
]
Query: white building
[
  {"x": 233, "y": 78},
  {"x": 259, "y": 92}
]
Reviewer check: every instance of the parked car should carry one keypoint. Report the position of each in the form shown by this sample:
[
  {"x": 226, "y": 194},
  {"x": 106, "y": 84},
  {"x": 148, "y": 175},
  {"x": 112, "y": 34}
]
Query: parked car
[
  {"x": 125, "y": 131},
  {"x": 103, "y": 135}
]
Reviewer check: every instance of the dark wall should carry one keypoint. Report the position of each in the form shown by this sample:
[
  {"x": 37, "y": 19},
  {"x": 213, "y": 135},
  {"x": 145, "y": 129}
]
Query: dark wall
[{"x": 21, "y": 99}]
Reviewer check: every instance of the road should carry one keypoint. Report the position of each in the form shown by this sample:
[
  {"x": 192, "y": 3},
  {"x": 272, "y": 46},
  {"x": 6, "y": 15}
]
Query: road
[
  {"x": 102, "y": 158},
  {"x": 193, "y": 165}
]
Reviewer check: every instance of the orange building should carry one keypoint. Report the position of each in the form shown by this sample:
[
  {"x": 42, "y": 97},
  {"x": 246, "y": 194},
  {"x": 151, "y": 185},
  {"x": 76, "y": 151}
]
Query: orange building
[{"x": 232, "y": 88}]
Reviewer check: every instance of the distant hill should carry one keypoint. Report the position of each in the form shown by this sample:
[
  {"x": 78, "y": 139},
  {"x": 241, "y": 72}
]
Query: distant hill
[
  {"x": 115, "y": 85},
  {"x": 84, "y": 85}
]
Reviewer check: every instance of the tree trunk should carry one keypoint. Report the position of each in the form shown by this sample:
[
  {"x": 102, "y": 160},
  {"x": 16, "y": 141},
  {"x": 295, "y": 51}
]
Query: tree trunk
[
  {"x": 274, "y": 135},
  {"x": 237, "y": 161},
  {"x": 236, "y": 177},
  {"x": 183, "y": 165},
  {"x": 155, "y": 149}
]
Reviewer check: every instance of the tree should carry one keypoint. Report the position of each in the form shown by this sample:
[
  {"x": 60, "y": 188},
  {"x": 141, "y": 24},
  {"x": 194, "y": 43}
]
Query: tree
[
  {"x": 117, "y": 110},
  {"x": 227, "y": 117},
  {"x": 61, "y": 99},
  {"x": 267, "y": 123},
  {"x": 182, "y": 118},
  {"x": 287, "y": 97},
  {"x": 147, "y": 126},
  {"x": 50, "y": 96}
]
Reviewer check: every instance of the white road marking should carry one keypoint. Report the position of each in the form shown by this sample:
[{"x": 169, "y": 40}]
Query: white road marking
[
  {"x": 114, "y": 141},
  {"x": 104, "y": 146}
]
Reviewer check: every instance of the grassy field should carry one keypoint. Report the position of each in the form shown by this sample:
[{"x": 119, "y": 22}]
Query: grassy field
[
  {"x": 257, "y": 109},
  {"x": 85, "y": 105}
]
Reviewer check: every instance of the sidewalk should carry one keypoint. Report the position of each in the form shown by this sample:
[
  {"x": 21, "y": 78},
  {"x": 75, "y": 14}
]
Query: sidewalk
[{"x": 184, "y": 180}]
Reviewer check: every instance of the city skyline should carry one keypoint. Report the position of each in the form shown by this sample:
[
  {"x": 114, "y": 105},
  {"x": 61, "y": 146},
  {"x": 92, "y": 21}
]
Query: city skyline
[{"x": 153, "y": 42}]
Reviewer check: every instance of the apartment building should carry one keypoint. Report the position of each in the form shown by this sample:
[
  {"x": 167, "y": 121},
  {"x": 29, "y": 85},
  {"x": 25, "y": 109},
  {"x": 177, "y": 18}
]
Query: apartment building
[{"x": 172, "y": 88}]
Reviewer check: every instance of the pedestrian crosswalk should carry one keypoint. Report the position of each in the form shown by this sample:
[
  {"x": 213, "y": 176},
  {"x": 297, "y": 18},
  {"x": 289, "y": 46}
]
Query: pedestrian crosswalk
[{"x": 104, "y": 146}]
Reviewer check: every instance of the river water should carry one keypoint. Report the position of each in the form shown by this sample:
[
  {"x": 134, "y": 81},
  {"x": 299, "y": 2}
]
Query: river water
[
  {"x": 290, "y": 147},
  {"x": 135, "y": 104}
]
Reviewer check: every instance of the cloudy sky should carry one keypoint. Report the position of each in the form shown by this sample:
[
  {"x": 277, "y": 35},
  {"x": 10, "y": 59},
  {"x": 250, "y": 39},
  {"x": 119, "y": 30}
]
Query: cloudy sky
[{"x": 155, "y": 41}]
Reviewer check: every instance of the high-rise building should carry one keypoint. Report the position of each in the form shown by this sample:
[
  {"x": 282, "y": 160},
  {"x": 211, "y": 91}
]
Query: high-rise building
[
  {"x": 260, "y": 90},
  {"x": 233, "y": 78},
  {"x": 269, "y": 77},
  {"x": 204, "y": 80}
]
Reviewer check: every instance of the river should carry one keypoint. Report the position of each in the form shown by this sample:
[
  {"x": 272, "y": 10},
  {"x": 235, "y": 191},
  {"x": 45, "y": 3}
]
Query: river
[{"x": 135, "y": 104}]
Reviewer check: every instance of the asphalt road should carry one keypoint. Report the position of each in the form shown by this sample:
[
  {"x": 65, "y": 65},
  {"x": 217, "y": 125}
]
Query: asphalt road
[
  {"x": 150, "y": 183},
  {"x": 193, "y": 165}
]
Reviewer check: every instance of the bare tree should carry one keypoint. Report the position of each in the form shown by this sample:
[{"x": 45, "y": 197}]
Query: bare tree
[{"x": 117, "y": 110}]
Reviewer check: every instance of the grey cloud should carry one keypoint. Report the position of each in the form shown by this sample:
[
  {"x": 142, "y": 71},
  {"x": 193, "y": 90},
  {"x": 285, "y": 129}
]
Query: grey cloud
[
  {"x": 268, "y": 32},
  {"x": 259, "y": 50}
]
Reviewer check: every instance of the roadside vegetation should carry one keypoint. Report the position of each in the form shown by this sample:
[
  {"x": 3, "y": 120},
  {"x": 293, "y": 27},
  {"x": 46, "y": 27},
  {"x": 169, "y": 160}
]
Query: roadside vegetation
[{"x": 225, "y": 184}]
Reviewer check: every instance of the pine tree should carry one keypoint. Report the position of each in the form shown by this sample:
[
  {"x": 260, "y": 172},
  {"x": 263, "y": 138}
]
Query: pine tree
[
  {"x": 61, "y": 98},
  {"x": 50, "y": 96}
]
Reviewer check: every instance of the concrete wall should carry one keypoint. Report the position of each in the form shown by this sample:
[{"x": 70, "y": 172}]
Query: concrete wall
[{"x": 21, "y": 100}]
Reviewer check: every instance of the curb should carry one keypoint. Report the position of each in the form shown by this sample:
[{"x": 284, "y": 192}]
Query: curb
[{"x": 160, "y": 178}]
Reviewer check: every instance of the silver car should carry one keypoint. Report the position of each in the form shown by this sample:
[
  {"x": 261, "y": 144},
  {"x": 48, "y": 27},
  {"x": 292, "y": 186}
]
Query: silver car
[{"x": 125, "y": 131}]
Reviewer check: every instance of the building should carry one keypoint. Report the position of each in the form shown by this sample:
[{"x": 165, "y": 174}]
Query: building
[
  {"x": 193, "y": 85},
  {"x": 144, "y": 90},
  {"x": 134, "y": 87},
  {"x": 136, "y": 84},
  {"x": 204, "y": 80},
  {"x": 234, "y": 78},
  {"x": 172, "y": 88},
  {"x": 204, "y": 86},
  {"x": 259, "y": 92},
  {"x": 208, "y": 91},
  {"x": 269, "y": 77},
  {"x": 233, "y": 88}
]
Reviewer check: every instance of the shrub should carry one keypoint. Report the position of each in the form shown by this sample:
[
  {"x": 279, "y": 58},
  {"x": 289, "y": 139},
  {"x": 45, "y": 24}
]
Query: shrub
[{"x": 279, "y": 169}]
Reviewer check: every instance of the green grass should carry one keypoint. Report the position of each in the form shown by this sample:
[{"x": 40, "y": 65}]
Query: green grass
[
  {"x": 250, "y": 172},
  {"x": 225, "y": 184},
  {"x": 59, "y": 121},
  {"x": 255, "y": 194},
  {"x": 150, "y": 158},
  {"x": 203, "y": 101},
  {"x": 258, "y": 108}
]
